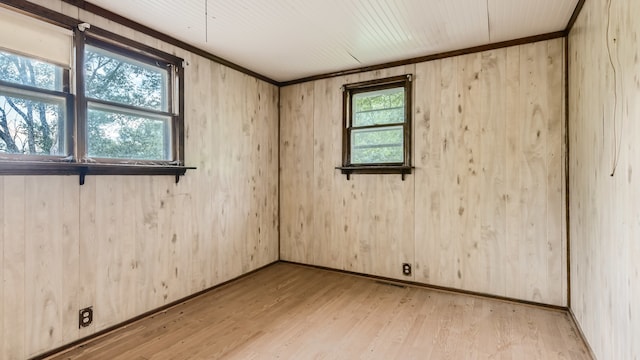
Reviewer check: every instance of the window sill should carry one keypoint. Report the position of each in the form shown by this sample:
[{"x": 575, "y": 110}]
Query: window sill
[
  {"x": 83, "y": 169},
  {"x": 375, "y": 169}
]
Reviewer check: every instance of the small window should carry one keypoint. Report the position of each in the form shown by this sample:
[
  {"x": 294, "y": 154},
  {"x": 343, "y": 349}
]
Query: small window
[
  {"x": 35, "y": 106},
  {"x": 129, "y": 114},
  {"x": 377, "y": 126}
]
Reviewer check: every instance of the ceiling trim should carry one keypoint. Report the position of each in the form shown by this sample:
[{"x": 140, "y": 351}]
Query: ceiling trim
[
  {"x": 42, "y": 13},
  {"x": 574, "y": 17},
  {"x": 415, "y": 60},
  {"x": 58, "y": 19},
  {"x": 97, "y": 10}
]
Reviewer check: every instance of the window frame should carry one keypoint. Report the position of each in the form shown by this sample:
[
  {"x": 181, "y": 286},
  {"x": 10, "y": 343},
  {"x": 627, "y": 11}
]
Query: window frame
[
  {"x": 348, "y": 91},
  {"x": 35, "y": 92},
  {"x": 129, "y": 51},
  {"x": 76, "y": 162}
]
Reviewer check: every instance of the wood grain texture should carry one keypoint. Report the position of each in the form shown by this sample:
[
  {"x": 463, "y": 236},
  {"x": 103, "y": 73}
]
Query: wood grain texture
[
  {"x": 489, "y": 172},
  {"x": 14, "y": 320},
  {"x": 604, "y": 88},
  {"x": 379, "y": 211},
  {"x": 296, "y": 172},
  {"x": 327, "y": 220},
  {"x": 330, "y": 200},
  {"x": 70, "y": 260},
  {"x": 48, "y": 242},
  {"x": 2, "y": 251},
  {"x": 129, "y": 244},
  {"x": 294, "y": 312},
  {"x": 483, "y": 211}
]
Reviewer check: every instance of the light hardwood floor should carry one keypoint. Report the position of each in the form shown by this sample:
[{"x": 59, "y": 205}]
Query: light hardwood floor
[{"x": 288, "y": 311}]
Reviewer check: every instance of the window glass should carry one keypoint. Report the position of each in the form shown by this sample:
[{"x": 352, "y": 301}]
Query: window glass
[
  {"x": 116, "y": 78},
  {"x": 32, "y": 118},
  {"x": 114, "y": 134},
  {"x": 119, "y": 104},
  {"x": 31, "y": 126},
  {"x": 31, "y": 72},
  {"x": 377, "y": 145},
  {"x": 378, "y": 107},
  {"x": 377, "y": 126},
  {"x": 128, "y": 107}
]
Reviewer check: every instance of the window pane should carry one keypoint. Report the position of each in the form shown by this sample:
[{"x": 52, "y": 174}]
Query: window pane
[
  {"x": 378, "y": 145},
  {"x": 113, "y": 134},
  {"x": 32, "y": 125},
  {"x": 378, "y": 107},
  {"x": 25, "y": 71},
  {"x": 115, "y": 78}
]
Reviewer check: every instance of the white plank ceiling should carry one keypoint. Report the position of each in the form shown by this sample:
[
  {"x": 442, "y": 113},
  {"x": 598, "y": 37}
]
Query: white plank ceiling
[{"x": 292, "y": 39}]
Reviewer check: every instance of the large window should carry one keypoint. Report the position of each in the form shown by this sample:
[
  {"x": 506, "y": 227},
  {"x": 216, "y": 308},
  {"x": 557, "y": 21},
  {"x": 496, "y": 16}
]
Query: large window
[
  {"x": 377, "y": 126},
  {"x": 116, "y": 109},
  {"x": 127, "y": 104}
]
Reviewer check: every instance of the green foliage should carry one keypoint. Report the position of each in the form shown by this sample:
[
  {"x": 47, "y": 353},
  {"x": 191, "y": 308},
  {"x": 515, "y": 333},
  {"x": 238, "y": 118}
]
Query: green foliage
[
  {"x": 30, "y": 123},
  {"x": 387, "y": 155},
  {"x": 21, "y": 70},
  {"x": 34, "y": 124},
  {"x": 114, "y": 134},
  {"x": 378, "y": 145},
  {"x": 123, "y": 136},
  {"x": 124, "y": 81},
  {"x": 378, "y": 107}
]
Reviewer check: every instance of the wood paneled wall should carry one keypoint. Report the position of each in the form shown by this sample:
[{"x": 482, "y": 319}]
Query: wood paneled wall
[
  {"x": 484, "y": 210},
  {"x": 129, "y": 244},
  {"x": 490, "y": 172},
  {"x": 604, "y": 128},
  {"x": 363, "y": 225}
]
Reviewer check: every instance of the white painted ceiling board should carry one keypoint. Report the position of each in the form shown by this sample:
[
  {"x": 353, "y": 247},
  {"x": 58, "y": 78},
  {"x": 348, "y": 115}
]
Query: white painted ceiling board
[
  {"x": 291, "y": 39},
  {"x": 513, "y": 19}
]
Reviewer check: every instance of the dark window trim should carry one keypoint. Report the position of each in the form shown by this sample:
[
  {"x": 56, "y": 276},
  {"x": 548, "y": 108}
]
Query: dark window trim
[
  {"x": 145, "y": 55},
  {"x": 18, "y": 164},
  {"x": 129, "y": 109},
  {"x": 128, "y": 48},
  {"x": 349, "y": 90},
  {"x": 81, "y": 110},
  {"x": 29, "y": 91},
  {"x": 12, "y": 167}
]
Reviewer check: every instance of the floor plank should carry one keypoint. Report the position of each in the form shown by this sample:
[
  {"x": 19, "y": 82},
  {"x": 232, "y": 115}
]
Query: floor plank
[{"x": 288, "y": 311}]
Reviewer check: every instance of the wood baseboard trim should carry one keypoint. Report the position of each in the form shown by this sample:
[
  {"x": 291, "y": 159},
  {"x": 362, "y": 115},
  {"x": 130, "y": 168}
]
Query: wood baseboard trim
[
  {"x": 434, "y": 287},
  {"x": 581, "y": 333},
  {"x": 392, "y": 281},
  {"x": 104, "y": 332}
]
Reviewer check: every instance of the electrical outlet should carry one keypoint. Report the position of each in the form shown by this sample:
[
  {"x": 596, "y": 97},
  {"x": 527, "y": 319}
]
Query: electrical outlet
[
  {"x": 406, "y": 269},
  {"x": 85, "y": 317}
]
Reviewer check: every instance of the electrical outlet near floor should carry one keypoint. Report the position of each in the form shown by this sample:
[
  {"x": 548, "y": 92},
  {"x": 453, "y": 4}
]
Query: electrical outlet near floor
[
  {"x": 85, "y": 317},
  {"x": 406, "y": 269}
]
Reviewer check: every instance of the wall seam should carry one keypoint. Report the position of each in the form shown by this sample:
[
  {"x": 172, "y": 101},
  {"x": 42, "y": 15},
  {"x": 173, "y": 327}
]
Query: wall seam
[{"x": 567, "y": 168}]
